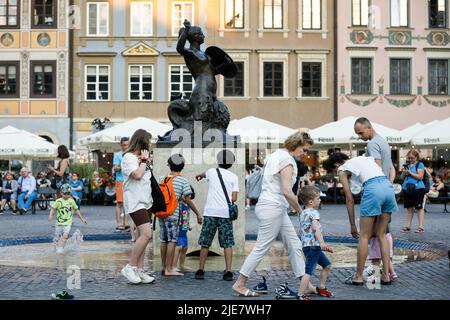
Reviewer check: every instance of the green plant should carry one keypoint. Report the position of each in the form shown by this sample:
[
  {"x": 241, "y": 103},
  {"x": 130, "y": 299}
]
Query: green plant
[{"x": 84, "y": 170}]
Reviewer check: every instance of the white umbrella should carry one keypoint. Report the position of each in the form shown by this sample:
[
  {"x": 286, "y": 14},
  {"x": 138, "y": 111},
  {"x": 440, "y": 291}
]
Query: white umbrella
[
  {"x": 435, "y": 134},
  {"x": 342, "y": 132},
  {"x": 16, "y": 144},
  {"x": 257, "y": 130},
  {"x": 110, "y": 138}
]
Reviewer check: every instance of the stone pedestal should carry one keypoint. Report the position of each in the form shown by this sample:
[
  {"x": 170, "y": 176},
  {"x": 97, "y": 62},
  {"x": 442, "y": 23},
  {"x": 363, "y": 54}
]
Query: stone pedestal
[{"x": 199, "y": 160}]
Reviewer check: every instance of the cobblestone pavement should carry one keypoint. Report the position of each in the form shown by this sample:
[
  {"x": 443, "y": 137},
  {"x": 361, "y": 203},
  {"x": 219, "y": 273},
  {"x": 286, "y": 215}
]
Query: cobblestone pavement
[{"x": 427, "y": 279}]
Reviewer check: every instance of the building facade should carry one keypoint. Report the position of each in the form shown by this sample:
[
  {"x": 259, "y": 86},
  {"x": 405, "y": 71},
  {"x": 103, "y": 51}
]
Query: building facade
[
  {"x": 393, "y": 60},
  {"x": 126, "y": 64},
  {"x": 34, "y": 67}
]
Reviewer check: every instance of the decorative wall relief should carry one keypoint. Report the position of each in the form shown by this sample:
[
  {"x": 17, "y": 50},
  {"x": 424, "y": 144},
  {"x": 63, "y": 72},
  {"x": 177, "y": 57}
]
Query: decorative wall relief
[
  {"x": 342, "y": 89},
  {"x": 380, "y": 83},
  {"x": 400, "y": 38},
  {"x": 25, "y": 55},
  {"x": 43, "y": 39},
  {"x": 7, "y": 39},
  {"x": 361, "y": 102},
  {"x": 25, "y": 14},
  {"x": 419, "y": 90},
  {"x": 401, "y": 103},
  {"x": 61, "y": 74},
  {"x": 445, "y": 102},
  {"x": 361, "y": 37},
  {"x": 438, "y": 38}
]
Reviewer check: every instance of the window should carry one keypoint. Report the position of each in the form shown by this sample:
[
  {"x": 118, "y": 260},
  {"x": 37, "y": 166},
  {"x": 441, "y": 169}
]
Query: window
[
  {"x": 361, "y": 76},
  {"x": 438, "y": 13},
  {"x": 140, "y": 82},
  {"x": 181, "y": 11},
  {"x": 141, "y": 18},
  {"x": 400, "y": 76},
  {"x": 438, "y": 77},
  {"x": 9, "y": 13},
  {"x": 97, "y": 18},
  {"x": 9, "y": 82},
  {"x": 312, "y": 14},
  {"x": 234, "y": 87},
  {"x": 181, "y": 81},
  {"x": 43, "y": 79},
  {"x": 273, "y": 79},
  {"x": 97, "y": 82},
  {"x": 273, "y": 14},
  {"x": 311, "y": 79},
  {"x": 44, "y": 13},
  {"x": 360, "y": 12},
  {"x": 234, "y": 14},
  {"x": 399, "y": 13}
]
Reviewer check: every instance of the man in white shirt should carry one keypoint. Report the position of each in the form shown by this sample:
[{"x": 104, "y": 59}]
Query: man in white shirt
[
  {"x": 216, "y": 212},
  {"x": 27, "y": 186}
]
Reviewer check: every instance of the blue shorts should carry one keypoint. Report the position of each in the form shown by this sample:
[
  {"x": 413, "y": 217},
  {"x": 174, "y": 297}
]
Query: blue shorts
[
  {"x": 314, "y": 256},
  {"x": 182, "y": 238},
  {"x": 378, "y": 197}
]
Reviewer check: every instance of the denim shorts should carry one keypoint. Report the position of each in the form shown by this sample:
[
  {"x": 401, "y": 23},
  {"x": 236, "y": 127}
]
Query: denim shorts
[
  {"x": 314, "y": 255},
  {"x": 378, "y": 197},
  {"x": 182, "y": 238}
]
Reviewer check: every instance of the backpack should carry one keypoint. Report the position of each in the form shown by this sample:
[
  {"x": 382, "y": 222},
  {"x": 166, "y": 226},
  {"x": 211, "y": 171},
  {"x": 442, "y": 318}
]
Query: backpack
[
  {"x": 170, "y": 197},
  {"x": 426, "y": 180},
  {"x": 254, "y": 184}
]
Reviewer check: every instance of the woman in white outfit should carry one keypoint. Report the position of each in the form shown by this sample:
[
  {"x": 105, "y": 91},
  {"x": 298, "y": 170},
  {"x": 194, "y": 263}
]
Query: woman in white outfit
[
  {"x": 137, "y": 201},
  {"x": 280, "y": 173}
]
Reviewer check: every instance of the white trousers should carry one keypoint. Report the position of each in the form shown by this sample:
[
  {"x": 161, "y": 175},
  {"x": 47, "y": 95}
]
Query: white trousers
[{"x": 274, "y": 220}]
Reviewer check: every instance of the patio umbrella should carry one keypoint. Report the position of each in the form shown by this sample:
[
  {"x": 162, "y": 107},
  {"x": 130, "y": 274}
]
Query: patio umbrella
[
  {"x": 437, "y": 133},
  {"x": 16, "y": 144},
  {"x": 257, "y": 130},
  {"x": 110, "y": 138}
]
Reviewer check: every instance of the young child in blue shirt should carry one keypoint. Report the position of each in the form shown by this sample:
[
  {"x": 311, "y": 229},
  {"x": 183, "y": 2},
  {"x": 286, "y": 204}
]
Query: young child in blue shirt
[{"x": 313, "y": 245}]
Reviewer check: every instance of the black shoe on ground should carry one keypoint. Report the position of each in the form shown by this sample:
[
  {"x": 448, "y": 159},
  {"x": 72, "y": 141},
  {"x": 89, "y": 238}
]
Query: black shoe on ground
[
  {"x": 200, "y": 275},
  {"x": 228, "y": 276}
]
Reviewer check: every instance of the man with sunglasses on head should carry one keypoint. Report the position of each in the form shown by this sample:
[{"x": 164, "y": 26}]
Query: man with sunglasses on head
[{"x": 117, "y": 168}]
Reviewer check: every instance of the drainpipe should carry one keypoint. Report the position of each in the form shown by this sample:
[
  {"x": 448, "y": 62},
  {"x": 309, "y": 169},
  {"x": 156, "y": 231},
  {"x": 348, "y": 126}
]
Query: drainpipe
[
  {"x": 70, "y": 83},
  {"x": 335, "y": 48}
]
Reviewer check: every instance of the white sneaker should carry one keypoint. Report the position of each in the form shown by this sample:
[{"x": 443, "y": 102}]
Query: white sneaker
[
  {"x": 145, "y": 278},
  {"x": 131, "y": 274}
]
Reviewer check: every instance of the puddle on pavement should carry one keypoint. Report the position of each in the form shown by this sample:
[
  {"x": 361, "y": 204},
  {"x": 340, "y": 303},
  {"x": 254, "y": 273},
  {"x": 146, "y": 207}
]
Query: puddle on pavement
[{"x": 113, "y": 255}]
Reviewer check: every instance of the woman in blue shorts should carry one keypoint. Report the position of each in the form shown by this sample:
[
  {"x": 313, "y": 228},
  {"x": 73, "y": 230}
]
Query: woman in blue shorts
[{"x": 377, "y": 204}]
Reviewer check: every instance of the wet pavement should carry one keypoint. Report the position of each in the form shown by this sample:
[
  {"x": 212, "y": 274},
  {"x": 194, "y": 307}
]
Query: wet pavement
[{"x": 34, "y": 270}]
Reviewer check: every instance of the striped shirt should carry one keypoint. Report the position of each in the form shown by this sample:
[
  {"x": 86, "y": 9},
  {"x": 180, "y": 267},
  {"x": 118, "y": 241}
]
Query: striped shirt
[{"x": 182, "y": 187}]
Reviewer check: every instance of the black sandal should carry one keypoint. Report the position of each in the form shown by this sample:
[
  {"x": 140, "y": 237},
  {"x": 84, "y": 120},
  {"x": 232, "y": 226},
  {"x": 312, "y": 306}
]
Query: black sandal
[{"x": 350, "y": 281}]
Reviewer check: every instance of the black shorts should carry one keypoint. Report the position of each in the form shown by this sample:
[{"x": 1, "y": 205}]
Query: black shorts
[
  {"x": 414, "y": 200},
  {"x": 141, "y": 217}
]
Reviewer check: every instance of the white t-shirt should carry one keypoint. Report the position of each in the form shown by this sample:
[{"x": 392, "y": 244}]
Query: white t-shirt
[
  {"x": 271, "y": 186},
  {"x": 137, "y": 194},
  {"x": 216, "y": 203},
  {"x": 362, "y": 169}
]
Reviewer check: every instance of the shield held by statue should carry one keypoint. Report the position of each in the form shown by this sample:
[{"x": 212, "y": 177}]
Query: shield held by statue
[{"x": 221, "y": 61}]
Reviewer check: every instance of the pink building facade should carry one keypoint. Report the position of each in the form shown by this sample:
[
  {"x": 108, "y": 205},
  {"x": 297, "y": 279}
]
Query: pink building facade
[{"x": 394, "y": 60}]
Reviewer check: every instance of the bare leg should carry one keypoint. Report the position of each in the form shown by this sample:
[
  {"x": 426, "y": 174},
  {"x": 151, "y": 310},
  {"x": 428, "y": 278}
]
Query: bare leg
[
  {"x": 203, "y": 256},
  {"x": 169, "y": 260},
  {"x": 176, "y": 258},
  {"x": 409, "y": 218},
  {"x": 421, "y": 215},
  {"x": 381, "y": 226},
  {"x": 366, "y": 231},
  {"x": 133, "y": 231},
  {"x": 145, "y": 234},
  {"x": 324, "y": 276},
  {"x": 305, "y": 285},
  {"x": 2, "y": 206},
  {"x": 13, "y": 204},
  {"x": 163, "y": 251},
  {"x": 228, "y": 257},
  {"x": 118, "y": 210}
]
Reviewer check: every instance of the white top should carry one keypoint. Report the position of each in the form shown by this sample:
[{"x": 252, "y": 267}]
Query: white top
[
  {"x": 362, "y": 169},
  {"x": 271, "y": 186},
  {"x": 216, "y": 203},
  {"x": 137, "y": 194}
]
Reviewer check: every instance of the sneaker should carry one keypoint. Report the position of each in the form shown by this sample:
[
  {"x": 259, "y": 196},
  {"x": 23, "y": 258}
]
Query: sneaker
[
  {"x": 145, "y": 278},
  {"x": 200, "y": 275},
  {"x": 368, "y": 271},
  {"x": 324, "y": 292},
  {"x": 283, "y": 292},
  {"x": 303, "y": 297},
  {"x": 261, "y": 287},
  {"x": 131, "y": 274},
  {"x": 228, "y": 276},
  {"x": 247, "y": 207},
  {"x": 62, "y": 295}
]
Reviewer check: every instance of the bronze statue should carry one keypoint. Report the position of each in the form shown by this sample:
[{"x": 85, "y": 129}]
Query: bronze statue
[{"x": 203, "y": 104}]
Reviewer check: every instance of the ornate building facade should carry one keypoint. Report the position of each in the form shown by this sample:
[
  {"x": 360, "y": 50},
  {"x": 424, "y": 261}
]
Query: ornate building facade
[
  {"x": 34, "y": 67},
  {"x": 126, "y": 64},
  {"x": 393, "y": 60}
]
